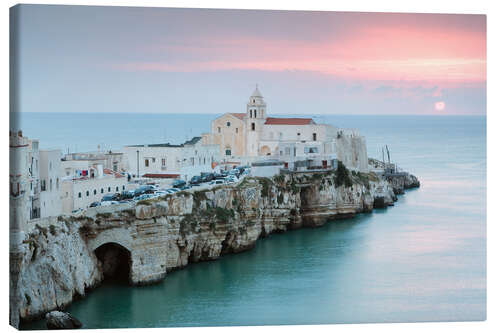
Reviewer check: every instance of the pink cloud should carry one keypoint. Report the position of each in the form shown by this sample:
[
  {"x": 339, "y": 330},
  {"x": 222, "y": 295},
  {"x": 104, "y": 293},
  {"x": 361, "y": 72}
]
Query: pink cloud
[{"x": 369, "y": 52}]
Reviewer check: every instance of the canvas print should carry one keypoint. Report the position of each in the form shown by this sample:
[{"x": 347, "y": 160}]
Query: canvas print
[{"x": 176, "y": 167}]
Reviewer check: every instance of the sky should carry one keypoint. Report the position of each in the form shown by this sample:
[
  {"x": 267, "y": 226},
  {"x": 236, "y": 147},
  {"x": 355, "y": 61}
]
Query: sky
[{"x": 170, "y": 60}]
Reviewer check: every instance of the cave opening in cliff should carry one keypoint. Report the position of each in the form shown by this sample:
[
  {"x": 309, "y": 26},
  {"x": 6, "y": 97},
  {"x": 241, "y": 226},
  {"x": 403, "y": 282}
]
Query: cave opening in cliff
[{"x": 115, "y": 262}]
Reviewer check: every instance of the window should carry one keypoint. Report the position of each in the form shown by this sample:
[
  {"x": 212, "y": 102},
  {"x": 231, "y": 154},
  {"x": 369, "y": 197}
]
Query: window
[
  {"x": 218, "y": 129},
  {"x": 95, "y": 192},
  {"x": 109, "y": 189},
  {"x": 87, "y": 193},
  {"x": 163, "y": 162},
  {"x": 43, "y": 185},
  {"x": 228, "y": 151},
  {"x": 57, "y": 183},
  {"x": 115, "y": 166},
  {"x": 50, "y": 165},
  {"x": 50, "y": 186},
  {"x": 310, "y": 150},
  {"x": 255, "y": 113},
  {"x": 117, "y": 189},
  {"x": 253, "y": 126},
  {"x": 123, "y": 187},
  {"x": 146, "y": 163},
  {"x": 298, "y": 134},
  {"x": 154, "y": 160},
  {"x": 102, "y": 190},
  {"x": 314, "y": 136},
  {"x": 79, "y": 194},
  {"x": 228, "y": 124},
  {"x": 236, "y": 129},
  {"x": 204, "y": 160}
]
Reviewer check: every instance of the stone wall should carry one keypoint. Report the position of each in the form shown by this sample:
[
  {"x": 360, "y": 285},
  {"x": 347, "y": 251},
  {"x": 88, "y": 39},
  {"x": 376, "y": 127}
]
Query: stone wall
[{"x": 56, "y": 263}]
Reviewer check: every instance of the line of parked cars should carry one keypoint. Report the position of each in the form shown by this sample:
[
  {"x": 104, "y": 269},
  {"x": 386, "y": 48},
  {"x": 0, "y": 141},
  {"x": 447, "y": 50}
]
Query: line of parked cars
[{"x": 145, "y": 192}]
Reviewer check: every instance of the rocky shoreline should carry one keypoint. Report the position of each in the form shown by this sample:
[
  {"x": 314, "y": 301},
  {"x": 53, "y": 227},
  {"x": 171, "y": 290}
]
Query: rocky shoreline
[{"x": 59, "y": 262}]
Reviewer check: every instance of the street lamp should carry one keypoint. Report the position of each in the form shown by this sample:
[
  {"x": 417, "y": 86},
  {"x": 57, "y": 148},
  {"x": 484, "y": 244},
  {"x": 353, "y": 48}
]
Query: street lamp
[{"x": 137, "y": 163}]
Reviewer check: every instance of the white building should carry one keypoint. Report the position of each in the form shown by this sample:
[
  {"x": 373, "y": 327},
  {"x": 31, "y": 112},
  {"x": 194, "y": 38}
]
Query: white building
[
  {"x": 172, "y": 161},
  {"x": 34, "y": 181},
  {"x": 19, "y": 181},
  {"x": 253, "y": 136},
  {"x": 50, "y": 183},
  {"x": 85, "y": 180}
]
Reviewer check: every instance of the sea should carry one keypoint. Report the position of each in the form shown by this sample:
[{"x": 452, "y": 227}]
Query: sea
[{"x": 424, "y": 259}]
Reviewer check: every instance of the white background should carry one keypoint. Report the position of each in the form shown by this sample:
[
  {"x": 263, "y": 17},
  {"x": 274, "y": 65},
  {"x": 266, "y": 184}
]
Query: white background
[{"x": 419, "y": 6}]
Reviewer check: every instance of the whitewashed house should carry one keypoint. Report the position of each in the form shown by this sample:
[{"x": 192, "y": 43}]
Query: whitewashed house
[
  {"x": 85, "y": 180},
  {"x": 172, "y": 161},
  {"x": 50, "y": 183}
]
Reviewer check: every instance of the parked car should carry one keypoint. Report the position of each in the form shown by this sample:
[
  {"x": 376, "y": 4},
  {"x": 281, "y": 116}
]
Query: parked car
[
  {"x": 219, "y": 176},
  {"x": 127, "y": 195},
  {"x": 231, "y": 179},
  {"x": 175, "y": 189},
  {"x": 207, "y": 176},
  {"x": 144, "y": 197},
  {"x": 109, "y": 203},
  {"x": 111, "y": 197},
  {"x": 160, "y": 193},
  {"x": 144, "y": 189},
  {"x": 185, "y": 187},
  {"x": 178, "y": 183},
  {"x": 195, "y": 180},
  {"x": 95, "y": 204}
]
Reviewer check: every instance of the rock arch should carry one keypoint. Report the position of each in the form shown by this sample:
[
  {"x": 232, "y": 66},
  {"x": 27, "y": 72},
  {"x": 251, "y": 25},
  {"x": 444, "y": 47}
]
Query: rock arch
[
  {"x": 115, "y": 261},
  {"x": 113, "y": 249}
]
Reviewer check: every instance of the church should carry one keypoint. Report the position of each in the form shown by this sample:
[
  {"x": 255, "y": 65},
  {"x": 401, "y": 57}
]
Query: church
[{"x": 252, "y": 136}]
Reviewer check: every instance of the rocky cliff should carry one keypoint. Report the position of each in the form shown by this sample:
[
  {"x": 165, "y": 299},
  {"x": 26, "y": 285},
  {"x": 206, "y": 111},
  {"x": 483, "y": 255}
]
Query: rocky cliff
[{"x": 58, "y": 262}]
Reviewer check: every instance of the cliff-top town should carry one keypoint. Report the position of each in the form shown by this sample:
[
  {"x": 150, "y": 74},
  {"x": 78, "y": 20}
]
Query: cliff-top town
[{"x": 45, "y": 183}]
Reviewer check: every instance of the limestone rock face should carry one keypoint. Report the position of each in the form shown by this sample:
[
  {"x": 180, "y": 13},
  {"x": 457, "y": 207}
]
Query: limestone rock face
[
  {"x": 58, "y": 262},
  {"x": 57, "y": 320}
]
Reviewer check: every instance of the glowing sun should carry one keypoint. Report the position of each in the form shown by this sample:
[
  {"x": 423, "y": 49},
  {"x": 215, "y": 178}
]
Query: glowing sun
[{"x": 439, "y": 106}]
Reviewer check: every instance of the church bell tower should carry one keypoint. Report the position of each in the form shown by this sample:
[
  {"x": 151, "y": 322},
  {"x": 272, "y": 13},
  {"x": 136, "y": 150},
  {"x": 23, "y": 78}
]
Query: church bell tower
[{"x": 255, "y": 118}]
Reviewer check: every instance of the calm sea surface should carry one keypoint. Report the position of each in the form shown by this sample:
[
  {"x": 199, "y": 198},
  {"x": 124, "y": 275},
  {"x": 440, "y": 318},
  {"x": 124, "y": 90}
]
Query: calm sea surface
[{"x": 422, "y": 260}]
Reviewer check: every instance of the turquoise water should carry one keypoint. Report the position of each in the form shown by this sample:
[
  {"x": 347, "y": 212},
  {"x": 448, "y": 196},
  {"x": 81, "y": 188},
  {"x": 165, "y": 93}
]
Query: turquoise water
[{"x": 422, "y": 260}]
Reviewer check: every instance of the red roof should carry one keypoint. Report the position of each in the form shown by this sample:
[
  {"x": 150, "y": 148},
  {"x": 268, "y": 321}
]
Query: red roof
[
  {"x": 239, "y": 115},
  {"x": 289, "y": 121},
  {"x": 161, "y": 175}
]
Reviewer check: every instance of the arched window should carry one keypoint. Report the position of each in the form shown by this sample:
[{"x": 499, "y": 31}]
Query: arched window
[
  {"x": 228, "y": 124},
  {"x": 102, "y": 190},
  {"x": 87, "y": 193},
  {"x": 117, "y": 189},
  {"x": 109, "y": 189},
  {"x": 95, "y": 192},
  {"x": 79, "y": 194},
  {"x": 253, "y": 126}
]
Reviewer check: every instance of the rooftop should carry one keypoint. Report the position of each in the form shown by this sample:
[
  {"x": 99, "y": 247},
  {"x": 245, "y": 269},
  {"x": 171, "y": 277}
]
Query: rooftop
[
  {"x": 289, "y": 121},
  {"x": 169, "y": 145}
]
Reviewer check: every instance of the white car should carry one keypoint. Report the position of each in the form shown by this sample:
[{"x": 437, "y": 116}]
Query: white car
[{"x": 109, "y": 203}]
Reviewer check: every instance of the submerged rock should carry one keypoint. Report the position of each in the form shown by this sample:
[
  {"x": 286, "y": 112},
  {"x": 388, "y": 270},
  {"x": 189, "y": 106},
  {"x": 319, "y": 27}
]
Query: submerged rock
[{"x": 57, "y": 320}]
